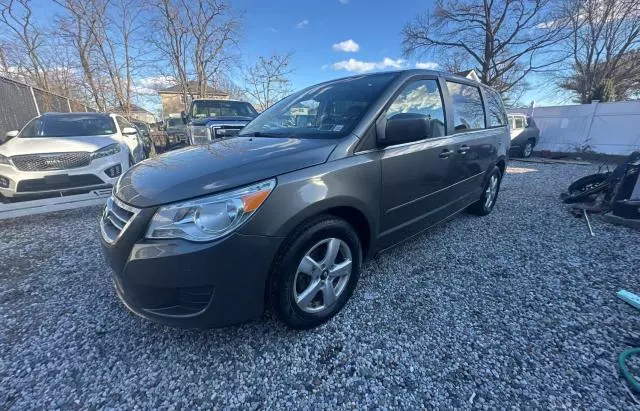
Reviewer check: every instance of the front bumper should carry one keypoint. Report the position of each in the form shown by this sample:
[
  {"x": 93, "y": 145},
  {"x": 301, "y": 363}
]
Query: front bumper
[
  {"x": 27, "y": 185},
  {"x": 193, "y": 285}
]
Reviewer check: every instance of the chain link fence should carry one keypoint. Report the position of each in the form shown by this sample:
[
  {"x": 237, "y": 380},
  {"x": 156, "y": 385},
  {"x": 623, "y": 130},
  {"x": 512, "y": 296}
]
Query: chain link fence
[{"x": 21, "y": 103}]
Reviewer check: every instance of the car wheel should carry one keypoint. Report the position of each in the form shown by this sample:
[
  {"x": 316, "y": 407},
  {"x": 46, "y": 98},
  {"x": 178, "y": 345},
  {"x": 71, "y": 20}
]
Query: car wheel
[
  {"x": 315, "y": 273},
  {"x": 489, "y": 194},
  {"x": 527, "y": 149}
]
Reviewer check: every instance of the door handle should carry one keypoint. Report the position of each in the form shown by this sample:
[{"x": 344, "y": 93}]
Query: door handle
[
  {"x": 445, "y": 153},
  {"x": 463, "y": 149}
]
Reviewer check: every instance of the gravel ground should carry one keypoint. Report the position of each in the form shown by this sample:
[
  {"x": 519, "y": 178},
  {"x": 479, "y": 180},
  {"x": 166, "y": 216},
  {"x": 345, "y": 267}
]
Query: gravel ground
[{"x": 514, "y": 310}]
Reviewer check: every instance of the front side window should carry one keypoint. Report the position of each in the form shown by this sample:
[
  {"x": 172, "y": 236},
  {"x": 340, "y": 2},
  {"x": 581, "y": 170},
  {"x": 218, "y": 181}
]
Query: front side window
[
  {"x": 519, "y": 122},
  {"x": 221, "y": 108},
  {"x": 468, "y": 112},
  {"x": 327, "y": 110},
  {"x": 69, "y": 126},
  {"x": 497, "y": 114},
  {"x": 421, "y": 98}
]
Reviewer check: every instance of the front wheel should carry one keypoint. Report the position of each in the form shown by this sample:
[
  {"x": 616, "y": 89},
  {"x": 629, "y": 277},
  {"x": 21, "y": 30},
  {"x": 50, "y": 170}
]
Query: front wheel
[
  {"x": 316, "y": 272},
  {"x": 489, "y": 195}
]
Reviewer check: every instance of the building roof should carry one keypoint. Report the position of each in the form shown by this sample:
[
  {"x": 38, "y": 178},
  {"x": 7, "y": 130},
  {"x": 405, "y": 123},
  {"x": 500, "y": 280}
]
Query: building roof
[
  {"x": 134, "y": 109},
  {"x": 192, "y": 85},
  {"x": 470, "y": 74}
]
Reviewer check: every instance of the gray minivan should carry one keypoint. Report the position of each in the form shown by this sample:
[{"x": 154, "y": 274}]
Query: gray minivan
[{"x": 283, "y": 214}]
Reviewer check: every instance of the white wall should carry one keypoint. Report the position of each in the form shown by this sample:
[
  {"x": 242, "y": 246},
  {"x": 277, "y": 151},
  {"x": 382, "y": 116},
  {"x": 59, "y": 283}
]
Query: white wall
[{"x": 608, "y": 128}]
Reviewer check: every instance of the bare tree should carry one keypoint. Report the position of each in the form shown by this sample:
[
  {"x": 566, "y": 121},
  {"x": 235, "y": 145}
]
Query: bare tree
[
  {"x": 76, "y": 29},
  {"x": 605, "y": 49},
  {"x": 172, "y": 40},
  {"x": 504, "y": 40},
  {"x": 267, "y": 81},
  {"x": 198, "y": 38},
  {"x": 17, "y": 17}
]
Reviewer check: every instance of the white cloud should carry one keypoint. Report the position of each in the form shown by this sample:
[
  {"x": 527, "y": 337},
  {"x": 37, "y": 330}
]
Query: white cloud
[
  {"x": 348, "y": 46},
  {"x": 272, "y": 29},
  {"x": 302, "y": 24},
  {"x": 359, "y": 66},
  {"x": 427, "y": 65},
  {"x": 151, "y": 85},
  {"x": 343, "y": 1}
]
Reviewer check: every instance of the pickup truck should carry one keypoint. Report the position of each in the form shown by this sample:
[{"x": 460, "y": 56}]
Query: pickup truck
[{"x": 209, "y": 120}]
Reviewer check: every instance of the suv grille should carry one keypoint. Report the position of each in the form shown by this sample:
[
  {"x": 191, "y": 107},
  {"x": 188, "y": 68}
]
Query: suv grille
[
  {"x": 56, "y": 161},
  {"x": 115, "y": 219},
  {"x": 225, "y": 131}
]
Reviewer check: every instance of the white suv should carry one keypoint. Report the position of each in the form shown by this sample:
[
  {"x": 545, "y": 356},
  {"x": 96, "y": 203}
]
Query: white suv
[{"x": 66, "y": 153}]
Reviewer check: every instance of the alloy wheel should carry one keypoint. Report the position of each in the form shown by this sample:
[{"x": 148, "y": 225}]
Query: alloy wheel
[
  {"x": 322, "y": 275},
  {"x": 528, "y": 149},
  {"x": 491, "y": 191}
]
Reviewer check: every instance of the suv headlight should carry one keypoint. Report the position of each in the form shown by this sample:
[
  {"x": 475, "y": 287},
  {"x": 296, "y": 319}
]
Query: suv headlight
[
  {"x": 199, "y": 133},
  {"x": 4, "y": 160},
  {"x": 109, "y": 150},
  {"x": 209, "y": 218}
]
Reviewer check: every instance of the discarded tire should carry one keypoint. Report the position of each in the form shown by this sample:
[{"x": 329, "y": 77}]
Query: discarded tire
[{"x": 585, "y": 187}]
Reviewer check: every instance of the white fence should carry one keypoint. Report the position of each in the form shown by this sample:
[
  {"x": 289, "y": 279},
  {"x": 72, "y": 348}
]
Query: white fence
[{"x": 607, "y": 128}]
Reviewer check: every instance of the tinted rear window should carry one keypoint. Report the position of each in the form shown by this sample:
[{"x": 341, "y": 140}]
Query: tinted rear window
[
  {"x": 72, "y": 126},
  {"x": 497, "y": 114}
]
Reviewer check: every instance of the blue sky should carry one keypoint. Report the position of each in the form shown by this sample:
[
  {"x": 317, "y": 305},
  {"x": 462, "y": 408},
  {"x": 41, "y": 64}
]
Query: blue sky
[{"x": 311, "y": 28}]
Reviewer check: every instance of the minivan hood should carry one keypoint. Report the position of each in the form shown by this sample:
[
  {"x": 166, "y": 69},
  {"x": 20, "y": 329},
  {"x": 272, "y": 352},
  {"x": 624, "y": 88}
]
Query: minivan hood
[
  {"x": 41, "y": 145},
  {"x": 201, "y": 170},
  {"x": 218, "y": 119}
]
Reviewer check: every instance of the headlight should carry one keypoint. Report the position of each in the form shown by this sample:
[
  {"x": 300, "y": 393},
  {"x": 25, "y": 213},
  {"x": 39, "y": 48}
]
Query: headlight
[
  {"x": 209, "y": 218},
  {"x": 106, "y": 151},
  {"x": 4, "y": 160},
  {"x": 199, "y": 134}
]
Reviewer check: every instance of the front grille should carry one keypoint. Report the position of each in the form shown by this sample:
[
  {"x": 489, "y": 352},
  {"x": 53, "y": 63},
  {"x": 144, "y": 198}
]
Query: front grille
[
  {"x": 55, "y": 161},
  {"x": 225, "y": 131},
  {"x": 58, "y": 182},
  {"x": 115, "y": 219}
]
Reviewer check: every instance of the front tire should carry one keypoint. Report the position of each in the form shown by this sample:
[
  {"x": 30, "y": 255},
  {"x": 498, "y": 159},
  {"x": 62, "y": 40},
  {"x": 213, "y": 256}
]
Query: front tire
[
  {"x": 315, "y": 273},
  {"x": 489, "y": 196}
]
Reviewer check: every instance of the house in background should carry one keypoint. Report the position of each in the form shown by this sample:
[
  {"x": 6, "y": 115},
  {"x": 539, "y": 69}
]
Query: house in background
[
  {"x": 137, "y": 113},
  {"x": 470, "y": 74},
  {"x": 173, "y": 98}
]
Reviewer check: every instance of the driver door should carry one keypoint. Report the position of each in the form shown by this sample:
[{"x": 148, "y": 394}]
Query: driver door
[{"x": 416, "y": 176}]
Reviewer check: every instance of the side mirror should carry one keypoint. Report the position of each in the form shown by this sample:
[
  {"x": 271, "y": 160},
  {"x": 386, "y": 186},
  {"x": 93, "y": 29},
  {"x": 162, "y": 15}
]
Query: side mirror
[
  {"x": 406, "y": 127},
  {"x": 184, "y": 116},
  {"x": 9, "y": 135},
  {"x": 129, "y": 131}
]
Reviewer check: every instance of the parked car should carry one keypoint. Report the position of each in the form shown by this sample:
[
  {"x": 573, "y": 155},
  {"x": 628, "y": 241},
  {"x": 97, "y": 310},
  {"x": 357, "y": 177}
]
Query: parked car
[
  {"x": 524, "y": 134},
  {"x": 210, "y": 119},
  {"x": 144, "y": 131},
  {"x": 284, "y": 213},
  {"x": 175, "y": 132},
  {"x": 62, "y": 154}
]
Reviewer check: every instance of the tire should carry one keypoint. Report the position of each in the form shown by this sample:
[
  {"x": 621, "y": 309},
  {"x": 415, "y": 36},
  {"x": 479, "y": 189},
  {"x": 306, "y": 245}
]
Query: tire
[
  {"x": 298, "y": 287},
  {"x": 583, "y": 188},
  {"x": 483, "y": 206},
  {"x": 527, "y": 149}
]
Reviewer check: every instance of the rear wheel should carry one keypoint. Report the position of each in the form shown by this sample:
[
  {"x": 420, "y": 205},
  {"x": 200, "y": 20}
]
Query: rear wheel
[
  {"x": 489, "y": 195},
  {"x": 527, "y": 149},
  {"x": 316, "y": 272}
]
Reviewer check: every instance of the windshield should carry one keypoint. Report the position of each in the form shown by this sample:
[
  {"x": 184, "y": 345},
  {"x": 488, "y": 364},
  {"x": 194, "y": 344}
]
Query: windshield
[
  {"x": 327, "y": 110},
  {"x": 71, "y": 126},
  {"x": 174, "y": 123},
  {"x": 217, "y": 108}
]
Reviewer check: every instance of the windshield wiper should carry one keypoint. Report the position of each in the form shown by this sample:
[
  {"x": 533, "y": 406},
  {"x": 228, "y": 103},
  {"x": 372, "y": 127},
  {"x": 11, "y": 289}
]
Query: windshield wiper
[{"x": 260, "y": 134}]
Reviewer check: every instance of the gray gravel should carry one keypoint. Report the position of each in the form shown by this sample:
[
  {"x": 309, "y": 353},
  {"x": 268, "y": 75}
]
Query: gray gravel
[{"x": 514, "y": 310}]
